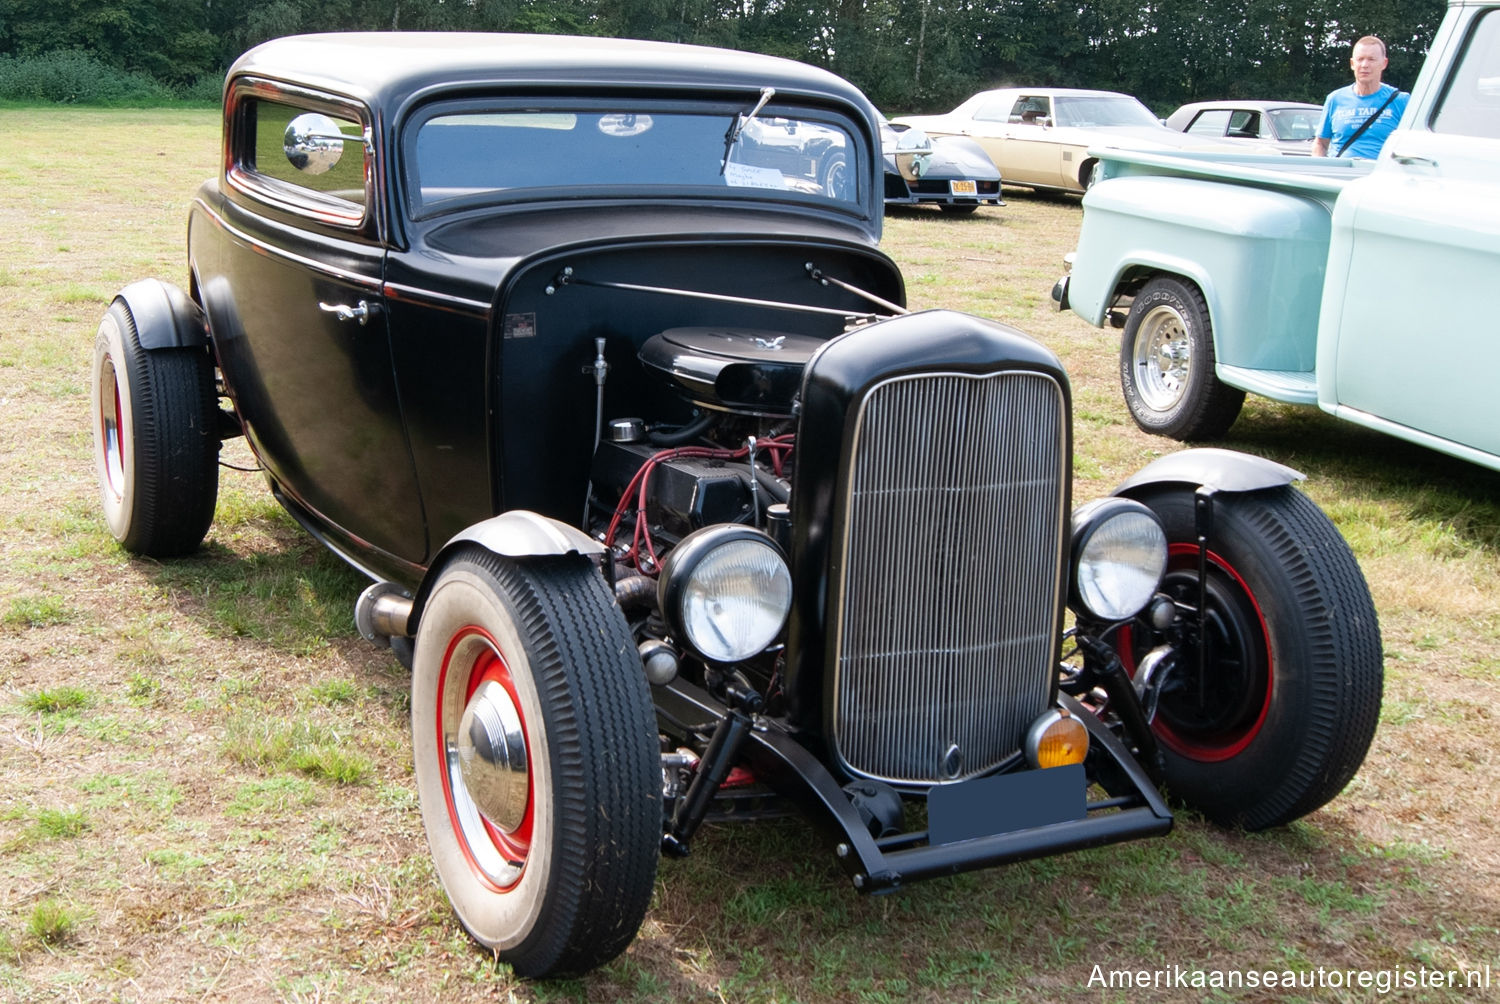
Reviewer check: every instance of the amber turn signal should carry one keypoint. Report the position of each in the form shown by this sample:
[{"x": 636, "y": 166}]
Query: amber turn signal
[{"x": 1056, "y": 739}]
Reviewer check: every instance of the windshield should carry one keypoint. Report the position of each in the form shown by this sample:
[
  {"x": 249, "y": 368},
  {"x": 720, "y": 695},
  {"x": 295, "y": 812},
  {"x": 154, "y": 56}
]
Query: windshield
[
  {"x": 1102, "y": 110},
  {"x": 628, "y": 151},
  {"x": 1295, "y": 123}
]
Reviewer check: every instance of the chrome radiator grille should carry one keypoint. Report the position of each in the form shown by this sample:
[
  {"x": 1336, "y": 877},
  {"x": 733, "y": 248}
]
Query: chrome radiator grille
[{"x": 947, "y": 594}]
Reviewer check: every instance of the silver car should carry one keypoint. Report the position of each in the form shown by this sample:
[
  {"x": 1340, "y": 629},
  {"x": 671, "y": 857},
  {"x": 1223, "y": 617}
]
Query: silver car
[{"x": 1286, "y": 127}]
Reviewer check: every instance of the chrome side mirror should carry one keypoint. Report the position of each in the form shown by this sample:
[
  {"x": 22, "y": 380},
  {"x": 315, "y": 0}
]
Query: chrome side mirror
[
  {"x": 913, "y": 141},
  {"x": 313, "y": 143},
  {"x": 913, "y": 149}
]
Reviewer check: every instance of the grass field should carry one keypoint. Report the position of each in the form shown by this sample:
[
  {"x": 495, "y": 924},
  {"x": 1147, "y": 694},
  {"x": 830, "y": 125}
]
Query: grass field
[{"x": 205, "y": 783}]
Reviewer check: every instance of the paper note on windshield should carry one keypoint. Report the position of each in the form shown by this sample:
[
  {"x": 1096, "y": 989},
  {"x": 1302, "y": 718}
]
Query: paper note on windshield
[{"x": 745, "y": 176}]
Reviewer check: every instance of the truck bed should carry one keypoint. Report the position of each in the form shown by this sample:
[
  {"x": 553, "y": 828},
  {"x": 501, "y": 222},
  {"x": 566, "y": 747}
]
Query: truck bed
[{"x": 1320, "y": 177}]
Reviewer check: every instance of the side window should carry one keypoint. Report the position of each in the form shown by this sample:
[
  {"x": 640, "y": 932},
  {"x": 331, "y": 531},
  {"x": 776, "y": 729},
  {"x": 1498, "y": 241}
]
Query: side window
[
  {"x": 302, "y": 147},
  {"x": 993, "y": 111},
  {"x": 1210, "y": 123},
  {"x": 1028, "y": 110},
  {"x": 1244, "y": 124},
  {"x": 1471, "y": 104}
]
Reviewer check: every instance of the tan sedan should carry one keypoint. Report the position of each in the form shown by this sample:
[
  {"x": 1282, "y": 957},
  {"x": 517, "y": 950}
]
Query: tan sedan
[{"x": 1040, "y": 137}]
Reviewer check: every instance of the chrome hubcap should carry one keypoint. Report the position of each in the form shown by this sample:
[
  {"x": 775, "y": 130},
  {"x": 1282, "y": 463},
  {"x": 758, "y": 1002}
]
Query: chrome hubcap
[
  {"x": 1163, "y": 358},
  {"x": 109, "y": 429},
  {"x": 492, "y": 756}
]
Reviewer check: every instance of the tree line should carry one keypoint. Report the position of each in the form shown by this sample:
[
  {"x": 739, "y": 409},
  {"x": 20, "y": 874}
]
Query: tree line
[{"x": 908, "y": 55}]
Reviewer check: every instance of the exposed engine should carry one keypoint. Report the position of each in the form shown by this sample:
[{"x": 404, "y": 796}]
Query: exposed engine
[
  {"x": 727, "y": 465},
  {"x": 653, "y": 485}
]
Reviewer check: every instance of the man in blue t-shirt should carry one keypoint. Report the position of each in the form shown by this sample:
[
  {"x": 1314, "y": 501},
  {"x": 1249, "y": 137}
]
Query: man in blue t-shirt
[{"x": 1347, "y": 109}]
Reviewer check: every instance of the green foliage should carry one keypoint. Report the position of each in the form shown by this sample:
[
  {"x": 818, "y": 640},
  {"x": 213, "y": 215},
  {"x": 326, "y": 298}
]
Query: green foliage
[
  {"x": 36, "y": 611},
  {"x": 332, "y": 692},
  {"x": 332, "y": 763},
  {"x": 57, "y": 700},
  {"x": 272, "y": 797},
  {"x": 75, "y": 77},
  {"x": 52, "y": 922},
  {"x": 308, "y": 747},
  {"x": 908, "y": 55},
  {"x": 58, "y": 824},
  {"x": 143, "y": 689},
  {"x": 206, "y": 90}
]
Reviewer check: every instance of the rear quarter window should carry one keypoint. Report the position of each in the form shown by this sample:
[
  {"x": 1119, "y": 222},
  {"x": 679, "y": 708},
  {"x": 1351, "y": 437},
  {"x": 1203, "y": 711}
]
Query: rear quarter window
[
  {"x": 1244, "y": 124},
  {"x": 344, "y": 181},
  {"x": 1210, "y": 123}
]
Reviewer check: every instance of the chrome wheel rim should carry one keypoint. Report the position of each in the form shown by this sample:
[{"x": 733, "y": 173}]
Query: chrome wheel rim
[
  {"x": 836, "y": 180},
  {"x": 110, "y": 422},
  {"x": 1163, "y": 358}
]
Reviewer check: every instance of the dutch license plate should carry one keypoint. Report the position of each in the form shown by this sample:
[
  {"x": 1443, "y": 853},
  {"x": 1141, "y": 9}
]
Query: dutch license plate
[
  {"x": 1006, "y": 803},
  {"x": 964, "y": 187}
]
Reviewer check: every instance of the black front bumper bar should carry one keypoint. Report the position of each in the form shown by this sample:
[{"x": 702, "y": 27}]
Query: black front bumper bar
[{"x": 1135, "y": 809}]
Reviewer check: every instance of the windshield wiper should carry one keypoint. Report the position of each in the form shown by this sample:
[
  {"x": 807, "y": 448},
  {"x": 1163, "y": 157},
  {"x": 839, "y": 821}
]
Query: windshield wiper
[{"x": 738, "y": 125}]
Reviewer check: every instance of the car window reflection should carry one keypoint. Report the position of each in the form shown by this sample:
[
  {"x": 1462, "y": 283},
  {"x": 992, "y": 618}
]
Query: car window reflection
[{"x": 469, "y": 154}]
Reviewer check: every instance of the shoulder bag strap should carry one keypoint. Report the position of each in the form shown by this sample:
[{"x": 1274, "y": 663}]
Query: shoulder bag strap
[{"x": 1368, "y": 122}]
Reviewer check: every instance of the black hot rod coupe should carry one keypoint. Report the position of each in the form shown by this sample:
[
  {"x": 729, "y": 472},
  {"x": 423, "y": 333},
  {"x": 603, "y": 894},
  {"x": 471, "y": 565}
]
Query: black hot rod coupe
[{"x": 584, "y": 352}]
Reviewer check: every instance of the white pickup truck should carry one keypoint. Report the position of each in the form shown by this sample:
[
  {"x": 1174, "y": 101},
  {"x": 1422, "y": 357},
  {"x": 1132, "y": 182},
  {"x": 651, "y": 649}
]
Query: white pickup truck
[{"x": 1368, "y": 288}]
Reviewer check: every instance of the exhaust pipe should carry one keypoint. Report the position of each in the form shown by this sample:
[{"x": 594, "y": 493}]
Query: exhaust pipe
[{"x": 382, "y": 613}]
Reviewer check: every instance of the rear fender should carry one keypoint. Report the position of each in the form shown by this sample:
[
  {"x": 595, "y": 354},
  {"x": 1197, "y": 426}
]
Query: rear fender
[
  {"x": 165, "y": 316},
  {"x": 1094, "y": 288},
  {"x": 1257, "y": 254}
]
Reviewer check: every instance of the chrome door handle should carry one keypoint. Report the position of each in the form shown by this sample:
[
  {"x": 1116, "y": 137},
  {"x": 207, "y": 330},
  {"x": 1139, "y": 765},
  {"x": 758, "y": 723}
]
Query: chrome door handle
[
  {"x": 1411, "y": 161},
  {"x": 360, "y": 312}
]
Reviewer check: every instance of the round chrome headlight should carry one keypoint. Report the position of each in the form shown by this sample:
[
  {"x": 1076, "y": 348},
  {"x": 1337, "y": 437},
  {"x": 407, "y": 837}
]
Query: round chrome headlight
[
  {"x": 1119, "y": 555},
  {"x": 725, "y": 592}
]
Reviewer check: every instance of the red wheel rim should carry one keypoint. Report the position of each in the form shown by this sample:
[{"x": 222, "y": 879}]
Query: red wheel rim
[
  {"x": 471, "y": 660},
  {"x": 1232, "y": 604}
]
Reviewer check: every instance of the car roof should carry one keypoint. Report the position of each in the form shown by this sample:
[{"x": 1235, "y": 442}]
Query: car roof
[
  {"x": 388, "y": 69},
  {"x": 1256, "y": 105},
  {"x": 1055, "y": 92}
]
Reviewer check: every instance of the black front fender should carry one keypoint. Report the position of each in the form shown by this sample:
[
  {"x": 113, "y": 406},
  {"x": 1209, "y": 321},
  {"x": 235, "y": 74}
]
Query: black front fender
[
  {"x": 1220, "y": 470},
  {"x": 518, "y": 534}
]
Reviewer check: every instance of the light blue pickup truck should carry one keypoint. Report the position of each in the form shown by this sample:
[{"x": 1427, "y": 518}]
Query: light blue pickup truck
[{"x": 1368, "y": 288}]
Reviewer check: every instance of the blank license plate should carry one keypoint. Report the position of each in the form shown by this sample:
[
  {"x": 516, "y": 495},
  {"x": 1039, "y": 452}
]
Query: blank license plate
[
  {"x": 1005, "y": 803},
  {"x": 964, "y": 188}
]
